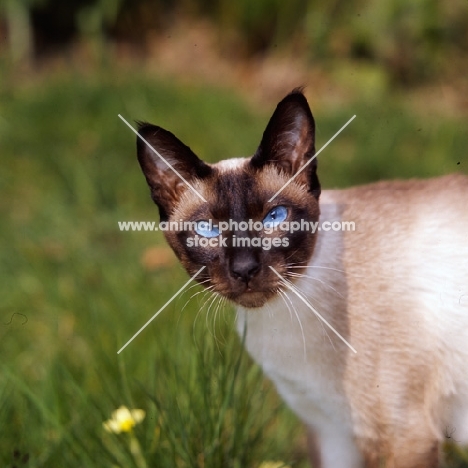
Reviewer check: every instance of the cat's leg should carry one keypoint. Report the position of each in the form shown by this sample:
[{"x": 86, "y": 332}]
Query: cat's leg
[
  {"x": 415, "y": 452},
  {"x": 314, "y": 451},
  {"x": 332, "y": 448},
  {"x": 409, "y": 452}
]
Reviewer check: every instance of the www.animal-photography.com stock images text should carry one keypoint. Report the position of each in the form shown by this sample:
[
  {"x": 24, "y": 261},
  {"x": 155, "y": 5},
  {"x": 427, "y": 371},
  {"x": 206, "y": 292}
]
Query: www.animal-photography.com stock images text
[{"x": 235, "y": 234}]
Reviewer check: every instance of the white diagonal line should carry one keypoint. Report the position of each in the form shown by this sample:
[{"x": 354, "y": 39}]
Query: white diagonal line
[
  {"x": 159, "y": 154},
  {"x": 160, "y": 310},
  {"x": 306, "y": 302},
  {"x": 312, "y": 158}
]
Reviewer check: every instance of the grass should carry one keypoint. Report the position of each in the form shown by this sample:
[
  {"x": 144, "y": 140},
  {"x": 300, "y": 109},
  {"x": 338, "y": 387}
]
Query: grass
[{"x": 74, "y": 289}]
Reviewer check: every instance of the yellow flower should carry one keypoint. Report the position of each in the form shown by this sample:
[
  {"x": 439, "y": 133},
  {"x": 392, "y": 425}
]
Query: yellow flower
[
  {"x": 273, "y": 464},
  {"x": 123, "y": 420}
]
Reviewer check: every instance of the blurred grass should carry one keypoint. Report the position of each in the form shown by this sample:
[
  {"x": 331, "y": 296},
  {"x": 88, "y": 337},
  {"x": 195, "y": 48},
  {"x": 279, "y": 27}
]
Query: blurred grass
[{"x": 74, "y": 289}]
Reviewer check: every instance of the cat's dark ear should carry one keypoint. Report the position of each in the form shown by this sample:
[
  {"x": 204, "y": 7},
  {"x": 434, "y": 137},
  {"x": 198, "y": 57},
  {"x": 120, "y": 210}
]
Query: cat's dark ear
[
  {"x": 289, "y": 141},
  {"x": 165, "y": 176}
]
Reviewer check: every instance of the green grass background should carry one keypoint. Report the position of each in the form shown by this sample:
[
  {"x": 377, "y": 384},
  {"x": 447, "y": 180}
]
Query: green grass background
[{"x": 73, "y": 288}]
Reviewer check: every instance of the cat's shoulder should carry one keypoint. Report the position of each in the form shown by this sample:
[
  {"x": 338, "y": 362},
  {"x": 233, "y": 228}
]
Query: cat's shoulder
[{"x": 448, "y": 186}]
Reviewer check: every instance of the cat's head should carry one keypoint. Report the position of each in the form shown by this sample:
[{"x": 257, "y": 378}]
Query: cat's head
[{"x": 219, "y": 197}]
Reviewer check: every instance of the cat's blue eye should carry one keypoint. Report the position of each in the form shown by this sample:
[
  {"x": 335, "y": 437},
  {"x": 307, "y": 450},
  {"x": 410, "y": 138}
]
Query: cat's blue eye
[
  {"x": 205, "y": 229},
  {"x": 275, "y": 216}
]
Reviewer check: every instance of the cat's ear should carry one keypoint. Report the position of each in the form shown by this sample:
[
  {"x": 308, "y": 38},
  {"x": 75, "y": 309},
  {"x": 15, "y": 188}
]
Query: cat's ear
[
  {"x": 289, "y": 141},
  {"x": 165, "y": 176}
]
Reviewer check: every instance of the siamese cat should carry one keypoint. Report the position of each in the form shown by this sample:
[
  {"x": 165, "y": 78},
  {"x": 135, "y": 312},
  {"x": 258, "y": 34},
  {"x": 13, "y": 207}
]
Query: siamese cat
[{"x": 364, "y": 332}]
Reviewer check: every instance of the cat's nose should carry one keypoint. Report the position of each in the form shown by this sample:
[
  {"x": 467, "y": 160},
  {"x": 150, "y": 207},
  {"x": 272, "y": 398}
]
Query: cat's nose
[{"x": 244, "y": 266}]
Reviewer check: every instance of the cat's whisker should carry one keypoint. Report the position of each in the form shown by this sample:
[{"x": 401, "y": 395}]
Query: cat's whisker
[
  {"x": 211, "y": 297},
  {"x": 197, "y": 292},
  {"x": 210, "y": 303},
  {"x": 221, "y": 310},
  {"x": 292, "y": 275},
  {"x": 195, "y": 321},
  {"x": 269, "y": 310},
  {"x": 318, "y": 267},
  {"x": 215, "y": 319},
  {"x": 209, "y": 288},
  {"x": 198, "y": 283},
  {"x": 201, "y": 283},
  {"x": 393, "y": 275},
  {"x": 214, "y": 304},
  {"x": 215, "y": 314},
  {"x": 297, "y": 275},
  {"x": 200, "y": 308},
  {"x": 203, "y": 291},
  {"x": 281, "y": 292},
  {"x": 324, "y": 329},
  {"x": 284, "y": 296},
  {"x": 312, "y": 308},
  {"x": 189, "y": 300}
]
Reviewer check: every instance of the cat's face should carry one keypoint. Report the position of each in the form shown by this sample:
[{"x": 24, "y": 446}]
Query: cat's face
[{"x": 231, "y": 226}]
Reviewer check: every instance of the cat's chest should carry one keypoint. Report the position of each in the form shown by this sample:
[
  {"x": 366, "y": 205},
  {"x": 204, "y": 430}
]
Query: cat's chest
[{"x": 300, "y": 355}]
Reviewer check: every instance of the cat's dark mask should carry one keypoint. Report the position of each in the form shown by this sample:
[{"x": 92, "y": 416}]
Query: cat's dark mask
[{"x": 187, "y": 189}]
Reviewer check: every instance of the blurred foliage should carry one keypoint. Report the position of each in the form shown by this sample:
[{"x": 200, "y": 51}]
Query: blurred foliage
[{"x": 412, "y": 40}]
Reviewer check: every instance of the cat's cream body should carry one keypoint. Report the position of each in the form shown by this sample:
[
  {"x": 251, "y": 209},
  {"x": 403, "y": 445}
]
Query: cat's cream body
[
  {"x": 395, "y": 289},
  {"x": 398, "y": 292}
]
